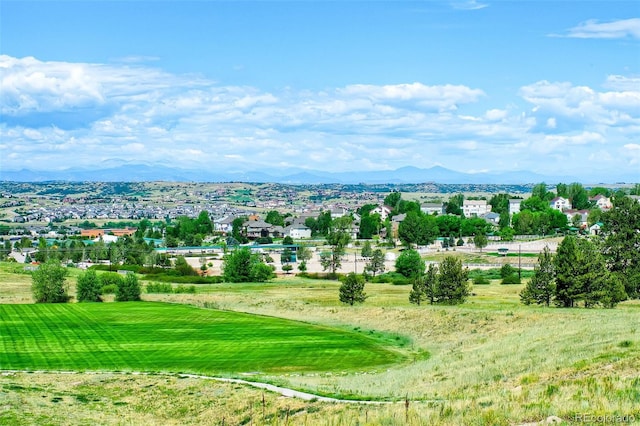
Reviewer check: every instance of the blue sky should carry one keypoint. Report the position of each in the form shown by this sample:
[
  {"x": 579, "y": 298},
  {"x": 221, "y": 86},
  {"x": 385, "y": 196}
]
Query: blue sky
[{"x": 546, "y": 86}]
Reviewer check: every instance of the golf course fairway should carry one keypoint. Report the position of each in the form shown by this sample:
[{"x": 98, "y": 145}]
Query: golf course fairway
[{"x": 147, "y": 336}]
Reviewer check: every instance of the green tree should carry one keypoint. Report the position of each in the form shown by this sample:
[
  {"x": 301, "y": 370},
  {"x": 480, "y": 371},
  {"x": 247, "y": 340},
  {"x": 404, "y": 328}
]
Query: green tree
[
  {"x": 393, "y": 199},
  {"x": 204, "y": 225},
  {"x": 88, "y": 288},
  {"x": 237, "y": 266},
  {"x": 48, "y": 283},
  {"x": 409, "y": 229},
  {"x": 287, "y": 240},
  {"x": 286, "y": 256},
  {"x": 303, "y": 254},
  {"x": 453, "y": 282},
  {"x": 338, "y": 238},
  {"x": 128, "y": 289},
  {"x": 410, "y": 264},
  {"x": 540, "y": 191},
  {"x": 425, "y": 287},
  {"x": 500, "y": 204},
  {"x": 370, "y": 225},
  {"x": 275, "y": 218},
  {"x": 541, "y": 287},
  {"x": 578, "y": 196},
  {"x": 352, "y": 289},
  {"x": 375, "y": 263},
  {"x": 621, "y": 248},
  {"x": 183, "y": 268},
  {"x": 366, "y": 250},
  {"x": 480, "y": 241},
  {"x": 242, "y": 266},
  {"x": 562, "y": 190},
  {"x": 566, "y": 263}
]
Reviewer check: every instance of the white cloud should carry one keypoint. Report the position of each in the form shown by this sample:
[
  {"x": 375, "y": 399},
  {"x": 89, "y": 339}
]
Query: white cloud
[
  {"x": 468, "y": 5},
  {"x": 145, "y": 114},
  {"x": 624, "y": 28}
]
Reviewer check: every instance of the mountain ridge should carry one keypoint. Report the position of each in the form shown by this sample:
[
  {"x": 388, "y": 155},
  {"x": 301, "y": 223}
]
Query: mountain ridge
[{"x": 402, "y": 175}]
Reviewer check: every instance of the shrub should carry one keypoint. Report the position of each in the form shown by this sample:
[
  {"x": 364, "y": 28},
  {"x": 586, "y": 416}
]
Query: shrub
[
  {"x": 511, "y": 279},
  {"x": 185, "y": 289},
  {"x": 128, "y": 289},
  {"x": 481, "y": 280},
  {"x": 89, "y": 287},
  {"x": 109, "y": 289},
  {"x": 159, "y": 288}
]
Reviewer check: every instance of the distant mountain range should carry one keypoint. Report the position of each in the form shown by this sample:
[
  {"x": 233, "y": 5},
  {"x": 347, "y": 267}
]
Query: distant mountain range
[{"x": 404, "y": 175}]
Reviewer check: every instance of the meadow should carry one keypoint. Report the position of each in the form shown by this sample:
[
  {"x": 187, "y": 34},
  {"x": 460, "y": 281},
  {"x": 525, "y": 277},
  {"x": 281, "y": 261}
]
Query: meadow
[{"x": 491, "y": 361}]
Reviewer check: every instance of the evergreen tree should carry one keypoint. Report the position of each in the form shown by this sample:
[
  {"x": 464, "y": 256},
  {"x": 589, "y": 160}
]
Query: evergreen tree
[
  {"x": 568, "y": 286},
  {"x": 453, "y": 286},
  {"x": 352, "y": 289},
  {"x": 366, "y": 251},
  {"x": 621, "y": 233},
  {"x": 88, "y": 288},
  {"x": 128, "y": 289},
  {"x": 376, "y": 262},
  {"x": 48, "y": 283},
  {"x": 425, "y": 287},
  {"x": 541, "y": 287}
]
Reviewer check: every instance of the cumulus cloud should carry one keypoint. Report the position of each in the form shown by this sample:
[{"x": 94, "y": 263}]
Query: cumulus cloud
[
  {"x": 145, "y": 114},
  {"x": 623, "y": 28}
]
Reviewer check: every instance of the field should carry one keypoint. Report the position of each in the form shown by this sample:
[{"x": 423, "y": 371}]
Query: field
[
  {"x": 491, "y": 361},
  {"x": 175, "y": 338}
]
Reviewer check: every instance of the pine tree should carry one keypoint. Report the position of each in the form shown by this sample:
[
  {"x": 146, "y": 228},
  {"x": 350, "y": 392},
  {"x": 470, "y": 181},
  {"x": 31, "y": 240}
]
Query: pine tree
[
  {"x": 541, "y": 286},
  {"x": 453, "y": 286},
  {"x": 566, "y": 262},
  {"x": 376, "y": 262},
  {"x": 352, "y": 289}
]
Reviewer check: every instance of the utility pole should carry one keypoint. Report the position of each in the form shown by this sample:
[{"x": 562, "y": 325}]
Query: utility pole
[
  {"x": 355, "y": 262},
  {"x": 519, "y": 264}
]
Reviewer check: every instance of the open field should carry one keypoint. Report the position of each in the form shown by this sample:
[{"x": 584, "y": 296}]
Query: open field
[
  {"x": 490, "y": 361},
  {"x": 176, "y": 338}
]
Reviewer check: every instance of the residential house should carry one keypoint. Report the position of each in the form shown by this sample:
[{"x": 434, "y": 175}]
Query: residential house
[
  {"x": 475, "y": 208},
  {"x": 603, "y": 203},
  {"x": 560, "y": 204},
  {"x": 492, "y": 218},
  {"x": 582, "y": 220},
  {"x": 514, "y": 205},
  {"x": 223, "y": 224},
  {"x": 383, "y": 211},
  {"x": 258, "y": 228},
  {"x": 433, "y": 208},
  {"x": 297, "y": 231}
]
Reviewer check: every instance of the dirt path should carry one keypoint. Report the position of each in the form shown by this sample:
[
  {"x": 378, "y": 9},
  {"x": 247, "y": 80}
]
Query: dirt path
[{"x": 290, "y": 393}]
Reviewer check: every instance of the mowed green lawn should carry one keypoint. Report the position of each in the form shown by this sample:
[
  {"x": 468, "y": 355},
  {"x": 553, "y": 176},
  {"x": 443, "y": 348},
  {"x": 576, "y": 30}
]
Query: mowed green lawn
[{"x": 148, "y": 336}]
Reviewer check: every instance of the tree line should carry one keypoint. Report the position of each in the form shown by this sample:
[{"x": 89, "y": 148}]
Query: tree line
[{"x": 598, "y": 271}]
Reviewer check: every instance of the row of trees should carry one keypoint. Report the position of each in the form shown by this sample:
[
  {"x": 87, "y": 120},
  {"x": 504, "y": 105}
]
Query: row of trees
[
  {"x": 597, "y": 271},
  {"x": 49, "y": 285}
]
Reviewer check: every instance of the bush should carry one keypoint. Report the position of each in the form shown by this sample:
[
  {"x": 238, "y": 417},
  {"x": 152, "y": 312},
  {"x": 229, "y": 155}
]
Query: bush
[
  {"x": 507, "y": 270},
  {"x": 320, "y": 276},
  {"x": 109, "y": 289},
  {"x": 128, "y": 289},
  {"x": 481, "y": 280},
  {"x": 185, "y": 289},
  {"x": 88, "y": 287},
  {"x": 511, "y": 279},
  {"x": 392, "y": 278},
  {"x": 171, "y": 278},
  {"x": 159, "y": 288}
]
